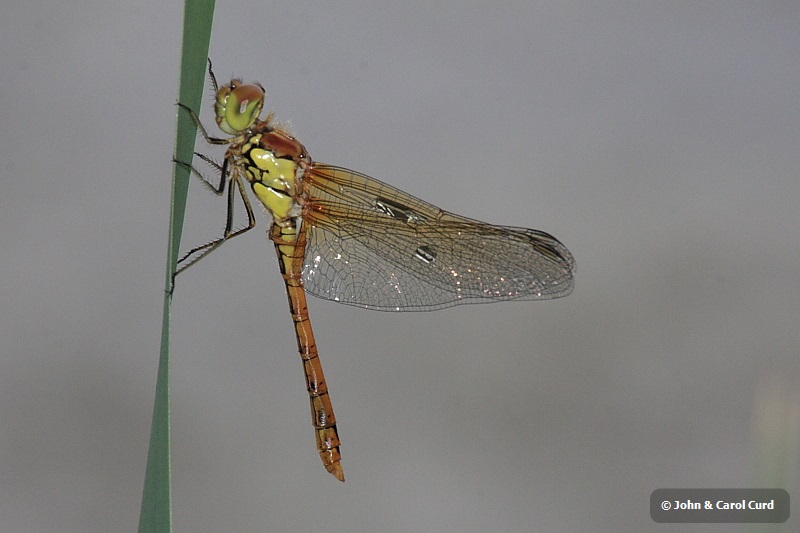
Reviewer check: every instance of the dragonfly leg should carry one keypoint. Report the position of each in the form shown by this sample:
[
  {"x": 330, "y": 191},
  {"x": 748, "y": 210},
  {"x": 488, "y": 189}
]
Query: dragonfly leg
[
  {"x": 290, "y": 247},
  {"x": 209, "y": 139},
  {"x": 222, "y": 171},
  {"x": 196, "y": 254}
]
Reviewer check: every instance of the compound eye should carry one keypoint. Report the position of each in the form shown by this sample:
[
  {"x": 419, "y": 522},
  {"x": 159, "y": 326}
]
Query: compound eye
[{"x": 238, "y": 106}]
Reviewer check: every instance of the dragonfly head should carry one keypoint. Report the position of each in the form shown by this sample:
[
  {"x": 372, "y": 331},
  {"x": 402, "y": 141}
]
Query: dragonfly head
[{"x": 238, "y": 106}]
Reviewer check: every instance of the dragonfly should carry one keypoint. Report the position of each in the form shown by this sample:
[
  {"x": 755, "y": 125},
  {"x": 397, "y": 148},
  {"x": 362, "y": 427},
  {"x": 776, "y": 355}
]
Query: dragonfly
[{"x": 343, "y": 236}]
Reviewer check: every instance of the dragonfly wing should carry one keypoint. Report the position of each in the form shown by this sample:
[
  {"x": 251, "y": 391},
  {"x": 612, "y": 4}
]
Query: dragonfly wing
[{"x": 375, "y": 246}]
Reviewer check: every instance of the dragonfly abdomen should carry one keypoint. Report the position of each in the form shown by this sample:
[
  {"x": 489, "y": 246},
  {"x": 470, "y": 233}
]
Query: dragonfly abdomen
[{"x": 290, "y": 247}]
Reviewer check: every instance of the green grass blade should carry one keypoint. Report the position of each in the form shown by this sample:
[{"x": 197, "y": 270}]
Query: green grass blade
[
  {"x": 198, "y": 16},
  {"x": 156, "y": 511}
]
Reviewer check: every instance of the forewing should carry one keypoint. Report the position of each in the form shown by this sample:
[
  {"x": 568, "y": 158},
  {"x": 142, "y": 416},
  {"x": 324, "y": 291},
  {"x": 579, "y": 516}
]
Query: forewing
[{"x": 375, "y": 246}]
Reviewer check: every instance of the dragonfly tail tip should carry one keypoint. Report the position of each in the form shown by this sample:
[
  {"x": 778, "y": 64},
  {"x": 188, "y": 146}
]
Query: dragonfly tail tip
[{"x": 337, "y": 471}]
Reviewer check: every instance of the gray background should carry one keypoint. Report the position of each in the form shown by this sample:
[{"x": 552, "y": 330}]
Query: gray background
[{"x": 657, "y": 140}]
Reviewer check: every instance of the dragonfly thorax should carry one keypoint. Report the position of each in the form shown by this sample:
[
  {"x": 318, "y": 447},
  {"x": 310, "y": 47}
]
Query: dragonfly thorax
[{"x": 273, "y": 163}]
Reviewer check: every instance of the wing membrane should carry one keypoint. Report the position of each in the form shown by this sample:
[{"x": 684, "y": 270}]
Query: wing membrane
[{"x": 375, "y": 246}]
